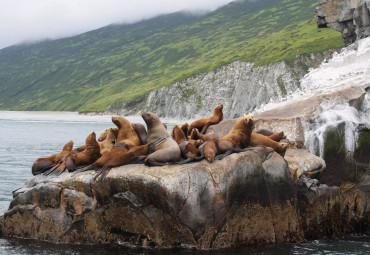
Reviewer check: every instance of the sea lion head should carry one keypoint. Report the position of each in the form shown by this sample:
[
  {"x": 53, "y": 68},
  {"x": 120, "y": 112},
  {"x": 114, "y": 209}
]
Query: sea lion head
[
  {"x": 249, "y": 121},
  {"x": 103, "y": 134},
  {"x": 218, "y": 109},
  {"x": 150, "y": 119}
]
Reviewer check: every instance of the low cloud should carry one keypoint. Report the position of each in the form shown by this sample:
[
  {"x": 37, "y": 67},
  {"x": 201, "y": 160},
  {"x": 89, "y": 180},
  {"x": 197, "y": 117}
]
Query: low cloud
[{"x": 34, "y": 20}]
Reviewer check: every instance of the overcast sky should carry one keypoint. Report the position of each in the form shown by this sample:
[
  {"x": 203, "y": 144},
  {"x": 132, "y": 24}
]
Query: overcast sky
[{"x": 33, "y": 20}]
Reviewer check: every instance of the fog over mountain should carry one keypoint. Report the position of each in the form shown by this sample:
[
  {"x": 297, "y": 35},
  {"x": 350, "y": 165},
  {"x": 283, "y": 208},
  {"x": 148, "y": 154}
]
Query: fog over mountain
[{"x": 27, "y": 21}]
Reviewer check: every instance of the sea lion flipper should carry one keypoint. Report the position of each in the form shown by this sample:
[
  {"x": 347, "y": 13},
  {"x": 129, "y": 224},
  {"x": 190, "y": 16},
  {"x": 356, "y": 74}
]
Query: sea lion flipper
[{"x": 222, "y": 156}]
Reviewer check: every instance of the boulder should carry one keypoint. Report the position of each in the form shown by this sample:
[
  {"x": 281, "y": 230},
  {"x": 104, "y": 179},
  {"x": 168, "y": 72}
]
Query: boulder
[
  {"x": 245, "y": 199},
  {"x": 302, "y": 162}
]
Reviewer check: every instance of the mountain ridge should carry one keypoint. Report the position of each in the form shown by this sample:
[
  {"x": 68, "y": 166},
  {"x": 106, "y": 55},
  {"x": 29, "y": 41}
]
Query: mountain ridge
[{"x": 81, "y": 73}]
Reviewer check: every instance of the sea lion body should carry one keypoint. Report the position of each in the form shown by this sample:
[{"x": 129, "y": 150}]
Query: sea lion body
[
  {"x": 188, "y": 149},
  {"x": 43, "y": 164},
  {"x": 204, "y": 123},
  {"x": 103, "y": 134},
  {"x": 141, "y": 132},
  {"x": 258, "y": 139},
  {"x": 126, "y": 133},
  {"x": 277, "y": 136},
  {"x": 86, "y": 157},
  {"x": 162, "y": 148},
  {"x": 209, "y": 149},
  {"x": 237, "y": 139},
  {"x": 109, "y": 141}
]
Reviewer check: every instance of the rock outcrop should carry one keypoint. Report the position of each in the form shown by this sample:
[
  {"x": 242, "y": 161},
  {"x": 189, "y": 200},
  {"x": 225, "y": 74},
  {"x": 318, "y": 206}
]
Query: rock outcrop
[
  {"x": 245, "y": 199},
  {"x": 350, "y": 17}
]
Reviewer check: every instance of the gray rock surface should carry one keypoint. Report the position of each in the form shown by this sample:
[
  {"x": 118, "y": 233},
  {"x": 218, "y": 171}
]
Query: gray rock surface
[
  {"x": 245, "y": 199},
  {"x": 350, "y": 17}
]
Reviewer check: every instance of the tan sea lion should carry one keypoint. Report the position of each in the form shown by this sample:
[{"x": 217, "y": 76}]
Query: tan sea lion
[
  {"x": 238, "y": 138},
  {"x": 126, "y": 133},
  {"x": 258, "y": 139},
  {"x": 110, "y": 140},
  {"x": 103, "y": 134},
  {"x": 43, "y": 164},
  {"x": 204, "y": 123},
  {"x": 277, "y": 136},
  {"x": 162, "y": 148}
]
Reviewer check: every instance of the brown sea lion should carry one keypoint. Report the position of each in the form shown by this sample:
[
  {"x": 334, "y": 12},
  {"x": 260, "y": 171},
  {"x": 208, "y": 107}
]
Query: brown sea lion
[
  {"x": 277, "y": 136},
  {"x": 204, "y": 123},
  {"x": 119, "y": 157},
  {"x": 183, "y": 127},
  {"x": 126, "y": 133},
  {"x": 162, "y": 148},
  {"x": 77, "y": 159},
  {"x": 209, "y": 149},
  {"x": 258, "y": 139},
  {"x": 238, "y": 138},
  {"x": 43, "y": 164},
  {"x": 188, "y": 149}
]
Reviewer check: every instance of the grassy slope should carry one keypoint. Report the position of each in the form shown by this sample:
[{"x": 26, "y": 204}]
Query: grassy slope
[{"x": 119, "y": 63}]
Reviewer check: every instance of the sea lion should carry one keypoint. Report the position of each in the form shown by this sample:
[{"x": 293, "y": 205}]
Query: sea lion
[
  {"x": 119, "y": 157},
  {"x": 238, "y": 138},
  {"x": 110, "y": 140},
  {"x": 77, "y": 159},
  {"x": 43, "y": 164},
  {"x": 103, "y": 134},
  {"x": 188, "y": 149},
  {"x": 204, "y": 123},
  {"x": 141, "y": 132},
  {"x": 277, "y": 136},
  {"x": 183, "y": 127},
  {"x": 209, "y": 149},
  {"x": 126, "y": 133},
  {"x": 139, "y": 129},
  {"x": 162, "y": 148},
  {"x": 258, "y": 139}
]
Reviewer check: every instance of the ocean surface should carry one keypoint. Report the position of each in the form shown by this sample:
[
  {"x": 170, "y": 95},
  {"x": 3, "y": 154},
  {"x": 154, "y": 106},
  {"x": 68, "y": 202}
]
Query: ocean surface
[{"x": 26, "y": 136}]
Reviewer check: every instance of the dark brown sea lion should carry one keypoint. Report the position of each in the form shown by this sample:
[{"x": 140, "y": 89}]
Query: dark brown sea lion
[
  {"x": 162, "y": 148},
  {"x": 141, "y": 132},
  {"x": 77, "y": 159},
  {"x": 238, "y": 138},
  {"x": 126, "y": 133},
  {"x": 209, "y": 149},
  {"x": 188, "y": 149},
  {"x": 43, "y": 164},
  {"x": 204, "y": 123}
]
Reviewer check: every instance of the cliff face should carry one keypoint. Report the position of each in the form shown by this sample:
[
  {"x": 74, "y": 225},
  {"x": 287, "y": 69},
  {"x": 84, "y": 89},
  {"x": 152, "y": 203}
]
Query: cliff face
[
  {"x": 350, "y": 17},
  {"x": 240, "y": 87}
]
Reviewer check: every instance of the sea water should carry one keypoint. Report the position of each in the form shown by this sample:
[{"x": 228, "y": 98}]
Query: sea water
[{"x": 26, "y": 136}]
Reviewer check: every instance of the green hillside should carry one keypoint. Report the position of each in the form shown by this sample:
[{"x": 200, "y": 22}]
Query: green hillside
[{"x": 118, "y": 63}]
